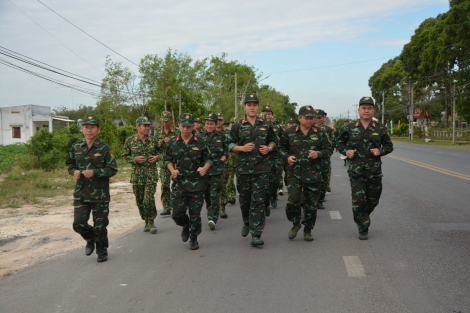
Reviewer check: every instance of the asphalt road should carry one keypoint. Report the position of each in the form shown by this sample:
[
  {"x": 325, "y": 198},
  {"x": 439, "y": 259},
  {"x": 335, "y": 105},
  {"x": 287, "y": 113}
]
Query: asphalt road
[{"x": 416, "y": 259}]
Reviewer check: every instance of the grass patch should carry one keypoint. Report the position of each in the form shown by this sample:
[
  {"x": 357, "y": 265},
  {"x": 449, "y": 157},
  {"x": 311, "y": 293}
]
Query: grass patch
[
  {"x": 9, "y": 154},
  {"x": 433, "y": 143}
]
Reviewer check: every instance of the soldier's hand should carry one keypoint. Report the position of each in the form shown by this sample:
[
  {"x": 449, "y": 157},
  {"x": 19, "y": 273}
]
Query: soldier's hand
[
  {"x": 174, "y": 174},
  {"x": 160, "y": 143},
  {"x": 153, "y": 159},
  {"x": 264, "y": 149},
  {"x": 202, "y": 171},
  {"x": 223, "y": 159},
  {"x": 375, "y": 152},
  {"x": 166, "y": 139},
  {"x": 350, "y": 154},
  {"x": 140, "y": 159},
  {"x": 88, "y": 173},
  {"x": 76, "y": 174},
  {"x": 248, "y": 147},
  {"x": 291, "y": 160},
  {"x": 312, "y": 154}
]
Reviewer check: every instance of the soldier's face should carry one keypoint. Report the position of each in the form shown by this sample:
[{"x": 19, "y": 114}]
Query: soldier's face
[
  {"x": 251, "y": 109},
  {"x": 186, "y": 131},
  {"x": 290, "y": 124},
  {"x": 167, "y": 123},
  {"x": 143, "y": 130},
  {"x": 366, "y": 111},
  {"x": 210, "y": 126},
  {"x": 220, "y": 123},
  {"x": 90, "y": 131},
  {"x": 269, "y": 116},
  {"x": 306, "y": 121},
  {"x": 197, "y": 125}
]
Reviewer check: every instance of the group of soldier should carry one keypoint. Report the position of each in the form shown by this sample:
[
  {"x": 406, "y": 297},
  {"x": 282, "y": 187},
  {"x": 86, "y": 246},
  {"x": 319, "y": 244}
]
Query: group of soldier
[{"x": 201, "y": 164}]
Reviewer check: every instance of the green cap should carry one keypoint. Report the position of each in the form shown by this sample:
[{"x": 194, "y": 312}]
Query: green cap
[
  {"x": 220, "y": 116},
  {"x": 292, "y": 120},
  {"x": 197, "y": 120},
  {"x": 233, "y": 120},
  {"x": 267, "y": 108},
  {"x": 366, "y": 100},
  {"x": 91, "y": 120},
  {"x": 187, "y": 119},
  {"x": 307, "y": 110},
  {"x": 346, "y": 121},
  {"x": 252, "y": 97},
  {"x": 212, "y": 117},
  {"x": 320, "y": 113},
  {"x": 143, "y": 120},
  {"x": 165, "y": 116}
]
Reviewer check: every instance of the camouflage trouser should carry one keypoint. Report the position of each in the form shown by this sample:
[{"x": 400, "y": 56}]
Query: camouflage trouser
[
  {"x": 283, "y": 164},
  {"x": 145, "y": 199},
  {"x": 213, "y": 184},
  {"x": 230, "y": 191},
  {"x": 325, "y": 177},
  {"x": 273, "y": 186},
  {"x": 311, "y": 197},
  {"x": 252, "y": 190},
  {"x": 223, "y": 190},
  {"x": 98, "y": 232},
  {"x": 365, "y": 197},
  {"x": 165, "y": 179},
  {"x": 192, "y": 202}
]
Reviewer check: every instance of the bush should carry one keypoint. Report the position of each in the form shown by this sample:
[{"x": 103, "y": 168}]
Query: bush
[
  {"x": 10, "y": 154},
  {"x": 397, "y": 132}
]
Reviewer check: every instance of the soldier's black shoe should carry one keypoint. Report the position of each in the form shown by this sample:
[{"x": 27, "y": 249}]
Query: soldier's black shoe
[
  {"x": 193, "y": 244},
  {"x": 245, "y": 230},
  {"x": 166, "y": 212},
  {"x": 267, "y": 211},
  {"x": 363, "y": 235},
  {"x": 185, "y": 233},
  {"x": 274, "y": 204},
  {"x": 89, "y": 248},
  {"x": 328, "y": 189},
  {"x": 102, "y": 258},
  {"x": 222, "y": 213},
  {"x": 321, "y": 206},
  {"x": 256, "y": 241},
  {"x": 231, "y": 201}
]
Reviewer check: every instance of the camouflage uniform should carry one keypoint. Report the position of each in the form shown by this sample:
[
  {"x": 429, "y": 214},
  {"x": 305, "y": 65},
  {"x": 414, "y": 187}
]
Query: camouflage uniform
[
  {"x": 144, "y": 176},
  {"x": 217, "y": 146},
  {"x": 92, "y": 195},
  {"x": 306, "y": 173},
  {"x": 187, "y": 190},
  {"x": 252, "y": 170},
  {"x": 365, "y": 169},
  {"x": 164, "y": 173}
]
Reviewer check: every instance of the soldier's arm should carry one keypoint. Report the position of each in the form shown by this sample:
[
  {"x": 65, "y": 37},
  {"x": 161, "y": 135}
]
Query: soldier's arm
[
  {"x": 232, "y": 138},
  {"x": 273, "y": 140},
  {"x": 326, "y": 147},
  {"x": 127, "y": 153},
  {"x": 168, "y": 158},
  {"x": 387, "y": 145},
  {"x": 342, "y": 141},
  {"x": 284, "y": 146},
  {"x": 111, "y": 167},
  {"x": 71, "y": 162},
  {"x": 206, "y": 157}
]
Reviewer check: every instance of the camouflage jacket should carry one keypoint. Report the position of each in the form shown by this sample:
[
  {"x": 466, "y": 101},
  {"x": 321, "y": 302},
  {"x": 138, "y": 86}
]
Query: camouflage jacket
[
  {"x": 232, "y": 156},
  {"x": 161, "y": 135},
  {"x": 294, "y": 142},
  {"x": 142, "y": 173},
  {"x": 355, "y": 137},
  {"x": 98, "y": 158},
  {"x": 217, "y": 145},
  {"x": 261, "y": 133},
  {"x": 187, "y": 158},
  {"x": 335, "y": 137}
]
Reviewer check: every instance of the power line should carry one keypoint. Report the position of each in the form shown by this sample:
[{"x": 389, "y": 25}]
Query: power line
[
  {"x": 55, "y": 37},
  {"x": 88, "y": 34}
]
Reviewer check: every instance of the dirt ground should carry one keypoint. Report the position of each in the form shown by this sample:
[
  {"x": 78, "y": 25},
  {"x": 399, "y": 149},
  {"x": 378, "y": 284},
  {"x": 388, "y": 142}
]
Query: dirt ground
[{"x": 38, "y": 232}]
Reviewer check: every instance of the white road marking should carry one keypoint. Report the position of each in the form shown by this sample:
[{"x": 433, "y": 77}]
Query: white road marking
[
  {"x": 335, "y": 215},
  {"x": 354, "y": 266}
]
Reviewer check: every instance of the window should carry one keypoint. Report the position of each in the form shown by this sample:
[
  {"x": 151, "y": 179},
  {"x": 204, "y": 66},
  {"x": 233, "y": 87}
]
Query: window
[{"x": 16, "y": 132}]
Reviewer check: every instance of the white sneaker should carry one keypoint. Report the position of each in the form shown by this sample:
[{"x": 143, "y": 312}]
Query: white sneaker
[
  {"x": 211, "y": 225},
  {"x": 280, "y": 192}
]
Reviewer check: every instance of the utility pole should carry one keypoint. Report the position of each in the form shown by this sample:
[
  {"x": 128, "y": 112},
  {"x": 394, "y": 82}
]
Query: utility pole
[
  {"x": 236, "y": 102},
  {"x": 383, "y": 107},
  {"x": 165, "y": 106},
  {"x": 180, "y": 103},
  {"x": 411, "y": 110},
  {"x": 453, "y": 112}
]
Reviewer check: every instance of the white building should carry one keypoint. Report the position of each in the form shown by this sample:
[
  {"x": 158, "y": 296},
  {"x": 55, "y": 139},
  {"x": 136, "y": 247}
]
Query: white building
[{"x": 20, "y": 123}]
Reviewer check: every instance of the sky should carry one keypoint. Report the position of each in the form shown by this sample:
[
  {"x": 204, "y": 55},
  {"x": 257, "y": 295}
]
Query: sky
[{"x": 320, "y": 53}]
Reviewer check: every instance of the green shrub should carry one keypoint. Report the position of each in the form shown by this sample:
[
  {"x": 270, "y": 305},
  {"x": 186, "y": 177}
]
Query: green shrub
[
  {"x": 10, "y": 154},
  {"x": 397, "y": 132}
]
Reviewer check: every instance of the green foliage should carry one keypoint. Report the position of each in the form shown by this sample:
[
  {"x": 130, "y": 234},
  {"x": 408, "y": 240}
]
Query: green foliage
[
  {"x": 403, "y": 128},
  {"x": 9, "y": 156},
  {"x": 397, "y": 132}
]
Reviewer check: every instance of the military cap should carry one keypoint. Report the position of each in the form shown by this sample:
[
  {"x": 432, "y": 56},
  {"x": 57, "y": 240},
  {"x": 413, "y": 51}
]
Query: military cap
[
  {"x": 91, "y": 120},
  {"x": 187, "y": 119},
  {"x": 262, "y": 115},
  {"x": 143, "y": 120},
  {"x": 211, "y": 117},
  {"x": 165, "y": 116},
  {"x": 320, "y": 113},
  {"x": 197, "y": 120},
  {"x": 233, "y": 120},
  {"x": 220, "y": 116},
  {"x": 292, "y": 120},
  {"x": 267, "y": 108},
  {"x": 366, "y": 100},
  {"x": 307, "y": 110},
  {"x": 252, "y": 97},
  {"x": 346, "y": 121}
]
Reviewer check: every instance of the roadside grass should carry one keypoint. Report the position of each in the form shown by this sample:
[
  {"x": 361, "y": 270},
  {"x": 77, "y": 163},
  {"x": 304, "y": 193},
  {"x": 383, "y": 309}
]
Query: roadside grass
[
  {"x": 9, "y": 154},
  {"x": 448, "y": 144},
  {"x": 21, "y": 187}
]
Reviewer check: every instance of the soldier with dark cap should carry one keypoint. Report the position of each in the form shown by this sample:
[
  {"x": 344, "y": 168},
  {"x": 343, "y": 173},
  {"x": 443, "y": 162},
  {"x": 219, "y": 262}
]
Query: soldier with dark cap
[
  {"x": 188, "y": 161},
  {"x": 230, "y": 168},
  {"x": 224, "y": 197},
  {"x": 217, "y": 145},
  {"x": 291, "y": 122},
  {"x": 253, "y": 139},
  {"x": 142, "y": 152},
  {"x": 274, "y": 162},
  {"x": 364, "y": 142},
  {"x": 220, "y": 122},
  {"x": 162, "y": 137},
  {"x": 304, "y": 147},
  {"x": 91, "y": 163},
  {"x": 326, "y": 162},
  {"x": 336, "y": 134},
  {"x": 198, "y": 126}
]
